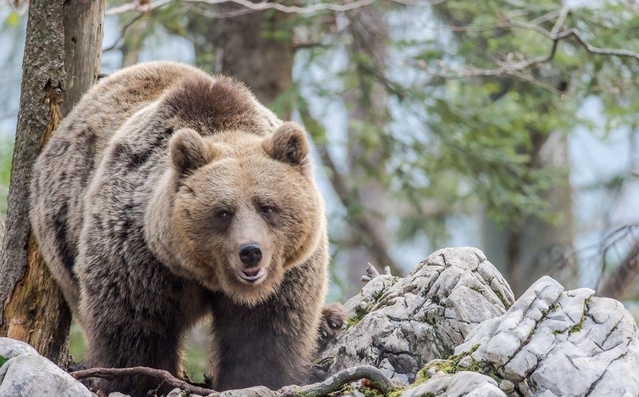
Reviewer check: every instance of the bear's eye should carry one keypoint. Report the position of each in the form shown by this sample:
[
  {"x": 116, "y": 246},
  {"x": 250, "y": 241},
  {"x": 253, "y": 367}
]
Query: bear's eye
[
  {"x": 267, "y": 209},
  {"x": 224, "y": 214}
]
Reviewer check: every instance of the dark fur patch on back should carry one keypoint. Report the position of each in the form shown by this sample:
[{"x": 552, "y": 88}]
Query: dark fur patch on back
[
  {"x": 86, "y": 146},
  {"x": 211, "y": 105},
  {"x": 134, "y": 157},
  {"x": 65, "y": 250}
]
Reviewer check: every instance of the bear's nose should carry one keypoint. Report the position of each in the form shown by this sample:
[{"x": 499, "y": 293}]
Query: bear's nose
[{"x": 250, "y": 254}]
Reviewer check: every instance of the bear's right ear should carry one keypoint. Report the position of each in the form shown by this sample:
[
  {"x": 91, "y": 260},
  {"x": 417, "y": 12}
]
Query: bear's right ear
[
  {"x": 188, "y": 151},
  {"x": 288, "y": 144}
]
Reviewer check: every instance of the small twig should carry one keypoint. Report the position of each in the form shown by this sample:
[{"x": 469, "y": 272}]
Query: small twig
[
  {"x": 165, "y": 376},
  {"x": 217, "y": 15},
  {"x": 335, "y": 382},
  {"x": 123, "y": 30},
  {"x": 596, "y": 50}
]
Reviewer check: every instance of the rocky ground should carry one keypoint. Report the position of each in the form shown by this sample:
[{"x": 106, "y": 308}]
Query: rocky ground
[{"x": 449, "y": 328}]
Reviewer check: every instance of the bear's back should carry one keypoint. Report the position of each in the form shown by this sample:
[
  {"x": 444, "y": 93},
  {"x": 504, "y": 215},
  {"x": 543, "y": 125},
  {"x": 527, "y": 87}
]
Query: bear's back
[{"x": 69, "y": 160}]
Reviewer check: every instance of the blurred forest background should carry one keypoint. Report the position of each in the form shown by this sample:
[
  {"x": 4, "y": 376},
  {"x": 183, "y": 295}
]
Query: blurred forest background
[{"x": 508, "y": 125}]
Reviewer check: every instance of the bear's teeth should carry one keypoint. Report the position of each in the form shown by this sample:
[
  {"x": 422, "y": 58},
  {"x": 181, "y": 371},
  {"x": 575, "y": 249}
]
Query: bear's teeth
[{"x": 251, "y": 275}]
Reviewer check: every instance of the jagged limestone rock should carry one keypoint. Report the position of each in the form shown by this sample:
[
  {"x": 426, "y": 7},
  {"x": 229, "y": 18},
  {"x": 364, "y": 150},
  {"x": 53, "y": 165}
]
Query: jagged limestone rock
[
  {"x": 399, "y": 325},
  {"x": 466, "y": 383},
  {"x": 26, "y": 374},
  {"x": 553, "y": 342}
]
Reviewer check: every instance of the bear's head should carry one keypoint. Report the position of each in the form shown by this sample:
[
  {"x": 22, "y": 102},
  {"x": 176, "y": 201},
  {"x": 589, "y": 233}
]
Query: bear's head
[{"x": 246, "y": 208}]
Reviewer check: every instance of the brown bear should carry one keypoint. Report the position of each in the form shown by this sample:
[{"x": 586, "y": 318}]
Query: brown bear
[{"x": 168, "y": 196}]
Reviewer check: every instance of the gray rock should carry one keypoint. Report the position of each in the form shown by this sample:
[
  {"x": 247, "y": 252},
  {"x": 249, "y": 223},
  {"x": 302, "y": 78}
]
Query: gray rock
[
  {"x": 257, "y": 391},
  {"x": 177, "y": 392},
  {"x": 399, "y": 325},
  {"x": 27, "y": 374},
  {"x": 553, "y": 342},
  {"x": 460, "y": 384}
]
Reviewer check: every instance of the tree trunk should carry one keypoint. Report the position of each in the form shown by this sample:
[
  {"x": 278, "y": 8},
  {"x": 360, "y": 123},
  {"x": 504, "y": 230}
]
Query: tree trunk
[
  {"x": 256, "y": 48},
  {"x": 525, "y": 253},
  {"x": 61, "y": 61},
  {"x": 623, "y": 279},
  {"x": 133, "y": 41},
  {"x": 369, "y": 103}
]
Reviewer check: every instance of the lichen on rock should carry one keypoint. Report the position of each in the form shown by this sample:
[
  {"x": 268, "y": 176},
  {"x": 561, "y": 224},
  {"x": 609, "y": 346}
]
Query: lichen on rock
[
  {"x": 399, "y": 325},
  {"x": 553, "y": 342}
]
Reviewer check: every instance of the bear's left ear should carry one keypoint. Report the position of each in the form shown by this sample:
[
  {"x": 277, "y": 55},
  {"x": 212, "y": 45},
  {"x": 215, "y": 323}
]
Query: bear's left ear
[
  {"x": 188, "y": 151},
  {"x": 288, "y": 144}
]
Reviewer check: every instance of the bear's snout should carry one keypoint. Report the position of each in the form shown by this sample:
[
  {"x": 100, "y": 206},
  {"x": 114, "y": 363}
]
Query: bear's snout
[{"x": 250, "y": 254}]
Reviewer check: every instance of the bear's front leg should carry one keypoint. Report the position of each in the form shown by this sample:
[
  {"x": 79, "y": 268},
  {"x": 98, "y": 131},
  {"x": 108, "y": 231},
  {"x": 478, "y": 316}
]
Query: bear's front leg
[
  {"x": 135, "y": 319},
  {"x": 269, "y": 344}
]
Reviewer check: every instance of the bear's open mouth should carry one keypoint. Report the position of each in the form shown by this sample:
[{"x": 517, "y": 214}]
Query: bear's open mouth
[{"x": 251, "y": 275}]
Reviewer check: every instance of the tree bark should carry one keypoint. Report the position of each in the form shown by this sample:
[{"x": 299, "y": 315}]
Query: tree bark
[
  {"x": 525, "y": 252},
  {"x": 133, "y": 41},
  {"x": 369, "y": 107},
  {"x": 61, "y": 61},
  {"x": 256, "y": 48},
  {"x": 617, "y": 284}
]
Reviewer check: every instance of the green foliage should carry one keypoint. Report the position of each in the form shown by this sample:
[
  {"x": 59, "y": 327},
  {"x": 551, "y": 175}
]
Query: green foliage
[
  {"x": 77, "y": 345},
  {"x": 6, "y": 155},
  {"x": 358, "y": 316},
  {"x": 464, "y": 140},
  {"x": 195, "y": 362},
  {"x": 12, "y": 20},
  {"x": 3, "y": 360}
]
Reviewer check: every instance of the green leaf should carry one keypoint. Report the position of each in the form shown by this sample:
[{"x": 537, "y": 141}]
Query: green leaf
[{"x": 13, "y": 19}]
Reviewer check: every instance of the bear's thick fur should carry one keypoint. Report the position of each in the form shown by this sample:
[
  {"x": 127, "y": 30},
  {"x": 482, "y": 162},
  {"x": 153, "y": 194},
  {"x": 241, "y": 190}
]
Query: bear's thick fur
[{"x": 168, "y": 195}]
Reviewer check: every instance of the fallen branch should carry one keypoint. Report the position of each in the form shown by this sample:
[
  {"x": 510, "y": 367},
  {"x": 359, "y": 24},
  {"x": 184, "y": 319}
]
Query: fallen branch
[
  {"x": 333, "y": 383},
  {"x": 165, "y": 376}
]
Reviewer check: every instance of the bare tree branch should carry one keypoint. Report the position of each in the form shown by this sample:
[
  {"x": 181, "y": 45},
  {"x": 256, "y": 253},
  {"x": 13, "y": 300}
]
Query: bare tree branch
[
  {"x": 597, "y": 50},
  {"x": 361, "y": 222},
  {"x": 164, "y": 376},
  {"x": 216, "y": 15},
  {"x": 555, "y": 35},
  {"x": 123, "y": 30},
  {"x": 135, "y": 6},
  {"x": 333, "y": 383},
  {"x": 509, "y": 67},
  {"x": 624, "y": 276},
  {"x": 291, "y": 9},
  {"x": 266, "y": 5},
  {"x": 346, "y": 194},
  {"x": 262, "y": 6}
]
